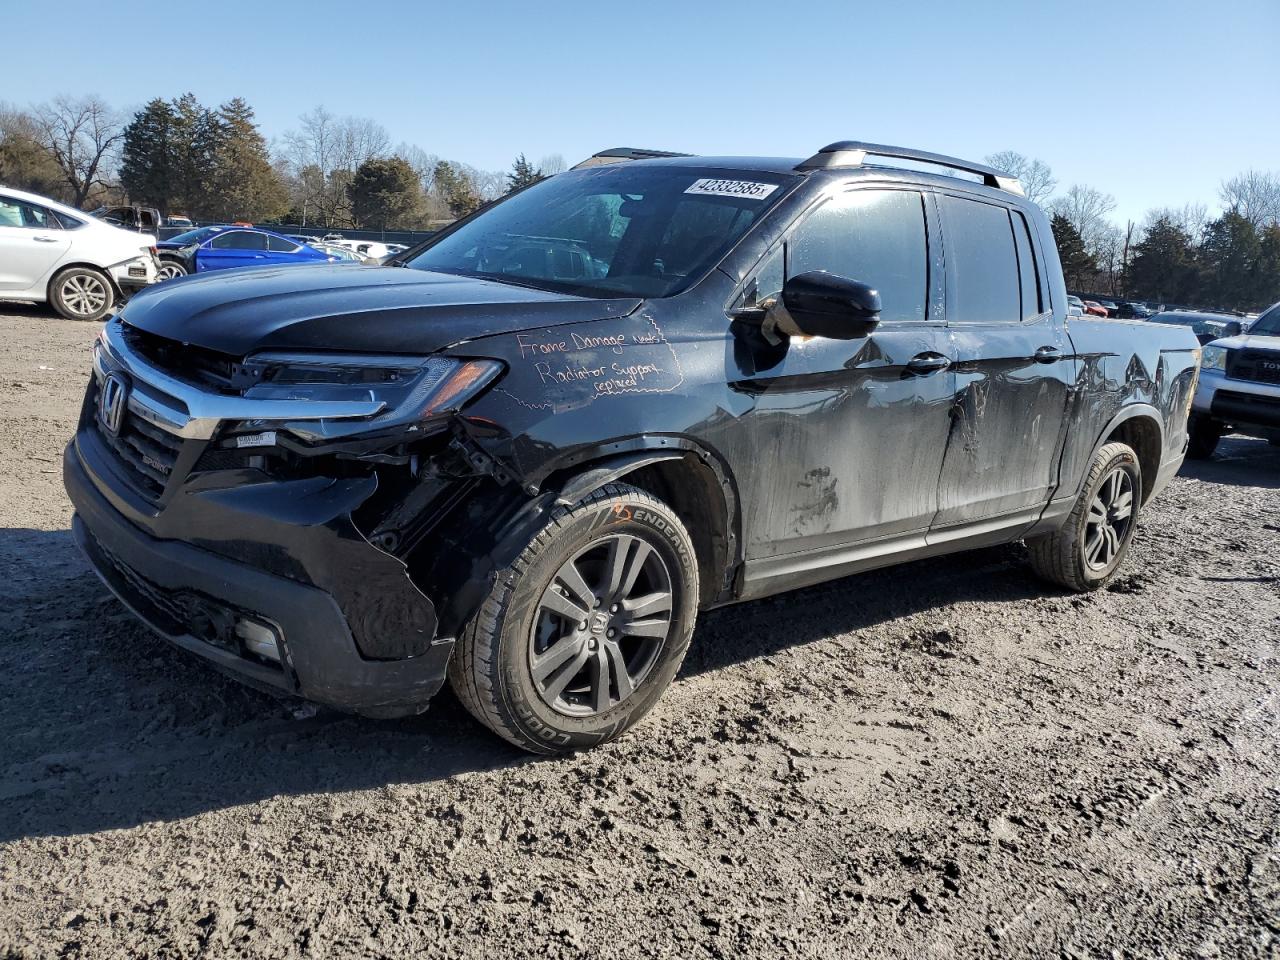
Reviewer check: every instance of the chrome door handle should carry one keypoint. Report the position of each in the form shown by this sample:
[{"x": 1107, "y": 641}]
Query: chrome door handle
[
  {"x": 926, "y": 363},
  {"x": 1048, "y": 355},
  {"x": 45, "y": 239}
]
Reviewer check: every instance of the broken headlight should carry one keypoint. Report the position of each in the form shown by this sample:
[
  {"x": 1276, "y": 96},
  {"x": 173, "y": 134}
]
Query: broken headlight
[
  {"x": 407, "y": 390},
  {"x": 1213, "y": 358}
]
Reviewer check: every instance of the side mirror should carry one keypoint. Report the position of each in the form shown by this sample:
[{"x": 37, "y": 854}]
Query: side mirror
[
  {"x": 825, "y": 305},
  {"x": 1233, "y": 328}
]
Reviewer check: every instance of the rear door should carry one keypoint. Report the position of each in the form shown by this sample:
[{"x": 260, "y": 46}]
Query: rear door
[
  {"x": 235, "y": 248},
  {"x": 846, "y": 437},
  {"x": 1013, "y": 367}
]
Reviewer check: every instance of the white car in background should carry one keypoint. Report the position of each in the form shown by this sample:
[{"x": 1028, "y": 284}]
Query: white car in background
[{"x": 80, "y": 266}]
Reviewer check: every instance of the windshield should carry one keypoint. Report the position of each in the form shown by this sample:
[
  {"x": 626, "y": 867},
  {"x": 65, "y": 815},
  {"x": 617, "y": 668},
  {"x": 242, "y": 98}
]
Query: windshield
[
  {"x": 194, "y": 236},
  {"x": 619, "y": 230},
  {"x": 1268, "y": 325}
]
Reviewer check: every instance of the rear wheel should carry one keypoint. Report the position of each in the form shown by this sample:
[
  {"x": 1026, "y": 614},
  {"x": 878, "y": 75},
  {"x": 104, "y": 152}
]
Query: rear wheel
[
  {"x": 580, "y": 636},
  {"x": 82, "y": 293},
  {"x": 1205, "y": 432},
  {"x": 1089, "y": 548}
]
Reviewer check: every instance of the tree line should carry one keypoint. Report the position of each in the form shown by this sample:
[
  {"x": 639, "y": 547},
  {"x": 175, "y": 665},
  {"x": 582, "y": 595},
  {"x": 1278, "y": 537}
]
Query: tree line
[
  {"x": 213, "y": 163},
  {"x": 1177, "y": 255}
]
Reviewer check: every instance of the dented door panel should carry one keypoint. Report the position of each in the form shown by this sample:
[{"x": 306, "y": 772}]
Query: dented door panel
[{"x": 1009, "y": 420}]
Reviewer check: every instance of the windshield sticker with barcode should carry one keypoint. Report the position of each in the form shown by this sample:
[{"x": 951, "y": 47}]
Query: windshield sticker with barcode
[{"x": 748, "y": 189}]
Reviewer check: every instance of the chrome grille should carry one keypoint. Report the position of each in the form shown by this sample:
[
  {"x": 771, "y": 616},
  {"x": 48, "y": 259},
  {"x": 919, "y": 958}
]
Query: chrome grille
[{"x": 148, "y": 451}]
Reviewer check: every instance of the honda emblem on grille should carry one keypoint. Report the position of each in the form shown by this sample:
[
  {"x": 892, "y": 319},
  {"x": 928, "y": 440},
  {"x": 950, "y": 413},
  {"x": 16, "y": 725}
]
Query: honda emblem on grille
[{"x": 112, "y": 402}]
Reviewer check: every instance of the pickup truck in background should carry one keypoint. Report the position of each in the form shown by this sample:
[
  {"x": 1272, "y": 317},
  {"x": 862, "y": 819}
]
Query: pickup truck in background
[
  {"x": 1239, "y": 387},
  {"x": 525, "y": 454}
]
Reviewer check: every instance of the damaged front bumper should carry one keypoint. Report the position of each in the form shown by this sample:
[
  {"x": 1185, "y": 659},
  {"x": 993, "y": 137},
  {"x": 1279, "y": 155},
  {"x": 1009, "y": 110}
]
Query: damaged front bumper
[{"x": 353, "y": 632}]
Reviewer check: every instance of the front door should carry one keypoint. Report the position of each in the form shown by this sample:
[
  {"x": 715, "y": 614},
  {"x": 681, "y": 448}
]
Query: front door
[
  {"x": 32, "y": 242},
  {"x": 235, "y": 248},
  {"x": 844, "y": 439},
  {"x": 1013, "y": 369}
]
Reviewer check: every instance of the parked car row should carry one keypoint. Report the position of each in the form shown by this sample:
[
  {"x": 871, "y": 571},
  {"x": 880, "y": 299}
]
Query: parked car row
[{"x": 220, "y": 248}]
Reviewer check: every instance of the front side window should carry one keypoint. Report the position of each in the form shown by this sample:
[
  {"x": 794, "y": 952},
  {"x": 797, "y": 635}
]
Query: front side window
[
  {"x": 240, "y": 240},
  {"x": 983, "y": 282},
  {"x": 625, "y": 229},
  {"x": 876, "y": 237}
]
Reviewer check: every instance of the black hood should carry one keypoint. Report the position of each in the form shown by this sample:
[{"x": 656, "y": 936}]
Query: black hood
[{"x": 350, "y": 308}]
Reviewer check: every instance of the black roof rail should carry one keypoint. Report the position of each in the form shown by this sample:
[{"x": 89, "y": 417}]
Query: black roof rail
[
  {"x": 852, "y": 153},
  {"x": 621, "y": 154}
]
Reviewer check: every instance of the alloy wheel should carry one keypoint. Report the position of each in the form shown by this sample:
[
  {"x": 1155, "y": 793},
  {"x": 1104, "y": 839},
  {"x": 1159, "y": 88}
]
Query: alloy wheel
[
  {"x": 84, "y": 294},
  {"x": 600, "y": 625},
  {"x": 1109, "y": 518},
  {"x": 169, "y": 270}
]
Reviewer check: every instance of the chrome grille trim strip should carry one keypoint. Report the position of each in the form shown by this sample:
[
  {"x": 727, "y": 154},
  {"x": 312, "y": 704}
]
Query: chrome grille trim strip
[{"x": 205, "y": 411}]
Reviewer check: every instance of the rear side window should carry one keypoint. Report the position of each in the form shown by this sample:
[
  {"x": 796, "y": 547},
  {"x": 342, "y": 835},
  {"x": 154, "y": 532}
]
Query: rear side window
[
  {"x": 873, "y": 236},
  {"x": 281, "y": 245},
  {"x": 983, "y": 282},
  {"x": 240, "y": 240},
  {"x": 68, "y": 222}
]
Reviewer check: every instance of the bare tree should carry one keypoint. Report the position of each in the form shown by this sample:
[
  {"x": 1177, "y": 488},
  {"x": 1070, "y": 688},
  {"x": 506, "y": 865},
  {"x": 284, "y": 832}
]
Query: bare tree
[
  {"x": 322, "y": 157},
  {"x": 1255, "y": 195},
  {"x": 552, "y": 164},
  {"x": 1191, "y": 218},
  {"x": 1087, "y": 210},
  {"x": 82, "y": 135},
  {"x": 1036, "y": 177}
]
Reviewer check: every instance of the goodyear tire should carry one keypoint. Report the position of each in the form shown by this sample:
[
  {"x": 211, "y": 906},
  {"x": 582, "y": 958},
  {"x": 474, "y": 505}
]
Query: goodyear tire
[
  {"x": 581, "y": 635},
  {"x": 1090, "y": 547}
]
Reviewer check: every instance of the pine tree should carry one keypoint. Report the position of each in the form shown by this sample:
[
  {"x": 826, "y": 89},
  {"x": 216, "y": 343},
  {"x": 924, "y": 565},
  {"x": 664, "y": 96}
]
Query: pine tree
[
  {"x": 384, "y": 193},
  {"x": 456, "y": 189},
  {"x": 146, "y": 159},
  {"x": 244, "y": 184},
  {"x": 1267, "y": 268},
  {"x": 1077, "y": 265},
  {"x": 1164, "y": 265},
  {"x": 523, "y": 173},
  {"x": 191, "y": 143},
  {"x": 1229, "y": 255}
]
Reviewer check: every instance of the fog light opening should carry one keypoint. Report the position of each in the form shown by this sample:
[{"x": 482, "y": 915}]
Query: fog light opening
[{"x": 259, "y": 639}]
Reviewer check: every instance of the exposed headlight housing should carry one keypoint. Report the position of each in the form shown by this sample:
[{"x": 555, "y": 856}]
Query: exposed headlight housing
[
  {"x": 411, "y": 389},
  {"x": 1213, "y": 358}
]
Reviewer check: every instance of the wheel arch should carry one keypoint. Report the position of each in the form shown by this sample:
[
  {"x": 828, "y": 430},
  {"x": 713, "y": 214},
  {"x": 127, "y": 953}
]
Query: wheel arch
[
  {"x": 1139, "y": 425},
  {"x": 62, "y": 268},
  {"x": 686, "y": 476}
]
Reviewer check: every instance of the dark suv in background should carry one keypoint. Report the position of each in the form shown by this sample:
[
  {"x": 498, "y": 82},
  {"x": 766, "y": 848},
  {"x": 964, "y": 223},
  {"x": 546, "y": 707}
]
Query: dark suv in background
[{"x": 526, "y": 453}]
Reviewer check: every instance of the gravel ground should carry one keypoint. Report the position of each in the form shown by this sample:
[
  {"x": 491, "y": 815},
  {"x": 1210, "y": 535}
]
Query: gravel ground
[{"x": 942, "y": 759}]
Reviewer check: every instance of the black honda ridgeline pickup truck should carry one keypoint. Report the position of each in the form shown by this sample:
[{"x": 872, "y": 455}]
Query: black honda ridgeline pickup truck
[{"x": 524, "y": 455}]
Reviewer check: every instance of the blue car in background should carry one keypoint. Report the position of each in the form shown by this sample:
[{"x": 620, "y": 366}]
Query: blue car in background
[{"x": 219, "y": 248}]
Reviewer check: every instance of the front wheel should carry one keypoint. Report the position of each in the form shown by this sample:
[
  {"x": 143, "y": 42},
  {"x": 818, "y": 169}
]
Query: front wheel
[
  {"x": 1089, "y": 548},
  {"x": 581, "y": 635},
  {"x": 81, "y": 293}
]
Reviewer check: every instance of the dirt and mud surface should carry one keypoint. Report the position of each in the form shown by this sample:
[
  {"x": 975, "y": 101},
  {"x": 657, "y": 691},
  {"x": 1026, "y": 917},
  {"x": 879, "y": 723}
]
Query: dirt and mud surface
[{"x": 942, "y": 759}]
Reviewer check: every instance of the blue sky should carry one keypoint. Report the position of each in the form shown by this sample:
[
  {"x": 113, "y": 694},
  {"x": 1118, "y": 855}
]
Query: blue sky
[{"x": 1154, "y": 102}]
